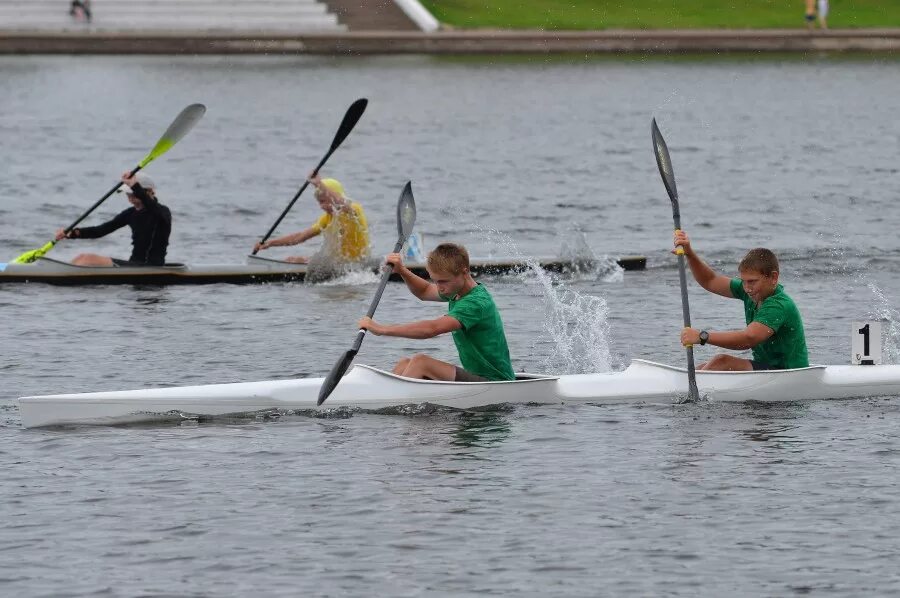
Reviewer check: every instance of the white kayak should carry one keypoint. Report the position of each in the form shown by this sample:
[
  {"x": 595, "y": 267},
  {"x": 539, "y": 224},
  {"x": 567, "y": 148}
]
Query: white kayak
[{"x": 366, "y": 387}]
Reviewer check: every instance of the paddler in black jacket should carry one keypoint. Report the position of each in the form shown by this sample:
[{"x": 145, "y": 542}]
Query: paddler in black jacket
[{"x": 149, "y": 220}]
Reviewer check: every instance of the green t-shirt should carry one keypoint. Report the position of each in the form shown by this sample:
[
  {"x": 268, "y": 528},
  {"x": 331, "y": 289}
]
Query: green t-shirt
[
  {"x": 786, "y": 349},
  {"x": 481, "y": 342}
]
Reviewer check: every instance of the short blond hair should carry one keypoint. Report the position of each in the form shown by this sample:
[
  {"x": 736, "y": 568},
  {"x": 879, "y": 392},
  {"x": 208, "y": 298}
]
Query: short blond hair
[
  {"x": 760, "y": 260},
  {"x": 449, "y": 258}
]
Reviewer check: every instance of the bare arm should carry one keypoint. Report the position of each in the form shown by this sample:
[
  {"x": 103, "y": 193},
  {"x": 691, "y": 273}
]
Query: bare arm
[
  {"x": 293, "y": 239},
  {"x": 754, "y": 334},
  {"x": 738, "y": 340},
  {"x": 705, "y": 276},
  {"x": 418, "y": 286},
  {"x": 420, "y": 330}
]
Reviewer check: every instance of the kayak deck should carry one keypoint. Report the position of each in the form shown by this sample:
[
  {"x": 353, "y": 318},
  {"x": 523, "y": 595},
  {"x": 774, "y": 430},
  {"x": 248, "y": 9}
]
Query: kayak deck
[
  {"x": 366, "y": 387},
  {"x": 256, "y": 270}
]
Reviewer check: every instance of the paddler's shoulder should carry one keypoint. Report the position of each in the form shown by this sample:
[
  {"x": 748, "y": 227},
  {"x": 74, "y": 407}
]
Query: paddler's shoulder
[
  {"x": 781, "y": 296},
  {"x": 480, "y": 291}
]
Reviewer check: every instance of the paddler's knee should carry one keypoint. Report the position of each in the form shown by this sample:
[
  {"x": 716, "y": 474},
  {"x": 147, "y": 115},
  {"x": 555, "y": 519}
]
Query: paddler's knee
[
  {"x": 401, "y": 366},
  {"x": 725, "y": 363}
]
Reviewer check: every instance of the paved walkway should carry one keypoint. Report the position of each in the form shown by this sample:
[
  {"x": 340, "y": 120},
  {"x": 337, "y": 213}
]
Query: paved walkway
[{"x": 446, "y": 42}]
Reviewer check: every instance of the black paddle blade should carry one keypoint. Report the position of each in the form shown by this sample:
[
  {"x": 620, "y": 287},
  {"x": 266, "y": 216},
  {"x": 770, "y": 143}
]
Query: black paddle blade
[
  {"x": 335, "y": 375},
  {"x": 406, "y": 212},
  {"x": 664, "y": 162},
  {"x": 354, "y": 113}
]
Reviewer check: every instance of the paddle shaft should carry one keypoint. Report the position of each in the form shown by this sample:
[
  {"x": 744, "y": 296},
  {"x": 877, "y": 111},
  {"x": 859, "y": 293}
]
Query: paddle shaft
[
  {"x": 376, "y": 299},
  {"x": 351, "y": 117},
  {"x": 664, "y": 162},
  {"x": 294, "y": 200},
  {"x": 96, "y": 205},
  {"x": 406, "y": 219},
  {"x": 686, "y": 312}
]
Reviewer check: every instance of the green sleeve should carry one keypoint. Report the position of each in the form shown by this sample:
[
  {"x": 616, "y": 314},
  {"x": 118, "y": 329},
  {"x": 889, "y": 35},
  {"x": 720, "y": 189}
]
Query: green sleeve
[
  {"x": 771, "y": 313},
  {"x": 737, "y": 289},
  {"x": 467, "y": 313}
]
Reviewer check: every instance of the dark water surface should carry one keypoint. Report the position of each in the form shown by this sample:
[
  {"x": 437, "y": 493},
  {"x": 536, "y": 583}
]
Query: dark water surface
[{"x": 508, "y": 157}]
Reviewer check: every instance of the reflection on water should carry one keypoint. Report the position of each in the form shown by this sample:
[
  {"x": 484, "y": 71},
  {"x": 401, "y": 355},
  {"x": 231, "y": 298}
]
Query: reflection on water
[
  {"x": 342, "y": 294},
  {"x": 149, "y": 296},
  {"x": 481, "y": 429},
  {"x": 774, "y": 434}
]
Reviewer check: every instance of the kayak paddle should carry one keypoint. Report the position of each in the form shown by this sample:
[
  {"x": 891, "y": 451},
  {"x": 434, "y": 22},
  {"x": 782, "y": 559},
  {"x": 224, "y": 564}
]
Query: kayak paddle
[
  {"x": 354, "y": 112},
  {"x": 406, "y": 219},
  {"x": 664, "y": 162},
  {"x": 183, "y": 123}
]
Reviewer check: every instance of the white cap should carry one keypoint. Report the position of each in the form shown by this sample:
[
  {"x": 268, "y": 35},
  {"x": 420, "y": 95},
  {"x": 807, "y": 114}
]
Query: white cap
[{"x": 145, "y": 181}]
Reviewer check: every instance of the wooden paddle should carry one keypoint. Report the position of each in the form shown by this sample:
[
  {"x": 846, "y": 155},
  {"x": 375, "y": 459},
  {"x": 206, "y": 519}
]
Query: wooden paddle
[
  {"x": 406, "y": 219},
  {"x": 664, "y": 162},
  {"x": 180, "y": 127},
  {"x": 354, "y": 112}
]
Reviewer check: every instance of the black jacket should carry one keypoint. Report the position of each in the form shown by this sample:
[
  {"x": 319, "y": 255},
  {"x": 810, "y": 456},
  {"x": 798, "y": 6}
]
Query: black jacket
[{"x": 150, "y": 229}]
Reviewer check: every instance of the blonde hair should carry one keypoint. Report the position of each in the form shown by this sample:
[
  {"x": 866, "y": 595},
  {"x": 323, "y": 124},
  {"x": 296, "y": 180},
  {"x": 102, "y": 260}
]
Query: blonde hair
[
  {"x": 449, "y": 258},
  {"x": 759, "y": 260}
]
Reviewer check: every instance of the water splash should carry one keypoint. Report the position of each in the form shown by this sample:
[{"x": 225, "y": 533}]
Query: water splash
[
  {"x": 575, "y": 249},
  {"x": 576, "y": 324},
  {"x": 883, "y": 309},
  {"x": 353, "y": 278},
  {"x": 885, "y": 312}
]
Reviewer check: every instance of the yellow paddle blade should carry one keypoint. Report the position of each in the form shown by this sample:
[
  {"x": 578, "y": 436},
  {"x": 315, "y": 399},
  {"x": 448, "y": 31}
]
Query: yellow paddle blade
[{"x": 34, "y": 254}]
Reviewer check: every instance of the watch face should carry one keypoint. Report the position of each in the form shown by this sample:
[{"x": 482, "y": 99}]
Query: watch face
[{"x": 704, "y": 336}]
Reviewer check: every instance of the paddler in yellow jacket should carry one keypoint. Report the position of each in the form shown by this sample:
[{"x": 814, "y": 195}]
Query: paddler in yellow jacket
[{"x": 343, "y": 226}]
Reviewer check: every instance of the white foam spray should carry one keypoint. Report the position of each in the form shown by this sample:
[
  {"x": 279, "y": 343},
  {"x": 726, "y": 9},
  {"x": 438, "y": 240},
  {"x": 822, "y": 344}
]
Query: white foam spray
[
  {"x": 576, "y": 325},
  {"x": 353, "y": 278},
  {"x": 884, "y": 311}
]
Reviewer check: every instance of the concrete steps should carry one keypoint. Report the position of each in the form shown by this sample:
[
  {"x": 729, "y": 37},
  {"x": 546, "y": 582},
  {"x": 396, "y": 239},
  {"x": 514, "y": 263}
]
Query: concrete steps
[
  {"x": 371, "y": 15},
  {"x": 300, "y": 16}
]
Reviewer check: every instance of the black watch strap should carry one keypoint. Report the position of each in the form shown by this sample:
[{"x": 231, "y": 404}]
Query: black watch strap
[{"x": 704, "y": 337}]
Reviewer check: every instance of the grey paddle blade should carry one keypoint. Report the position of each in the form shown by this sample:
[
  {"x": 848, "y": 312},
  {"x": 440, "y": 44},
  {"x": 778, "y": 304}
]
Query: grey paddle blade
[
  {"x": 184, "y": 122},
  {"x": 664, "y": 162},
  {"x": 180, "y": 127},
  {"x": 406, "y": 219},
  {"x": 335, "y": 375},
  {"x": 406, "y": 212}
]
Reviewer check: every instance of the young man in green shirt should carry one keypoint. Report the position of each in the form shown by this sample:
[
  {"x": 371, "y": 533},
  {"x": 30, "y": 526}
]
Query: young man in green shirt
[
  {"x": 774, "y": 328},
  {"x": 472, "y": 318}
]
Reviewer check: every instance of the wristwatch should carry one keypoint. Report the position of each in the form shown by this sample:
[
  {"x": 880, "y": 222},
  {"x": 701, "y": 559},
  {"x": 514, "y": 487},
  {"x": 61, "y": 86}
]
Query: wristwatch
[{"x": 704, "y": 337}]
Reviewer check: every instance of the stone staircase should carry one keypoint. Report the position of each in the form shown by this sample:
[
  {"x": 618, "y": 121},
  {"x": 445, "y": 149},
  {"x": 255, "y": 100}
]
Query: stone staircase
[
  {"x": 231, "y": 16},
  {"x": 371, "y": 15}
]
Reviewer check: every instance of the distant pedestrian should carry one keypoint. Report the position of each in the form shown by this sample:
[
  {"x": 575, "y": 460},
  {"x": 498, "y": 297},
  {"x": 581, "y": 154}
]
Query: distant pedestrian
[
  {"x": 810, "y": 14},
  {"x": 81, "y": 9},
  {"x": 823, "y": 14}
]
